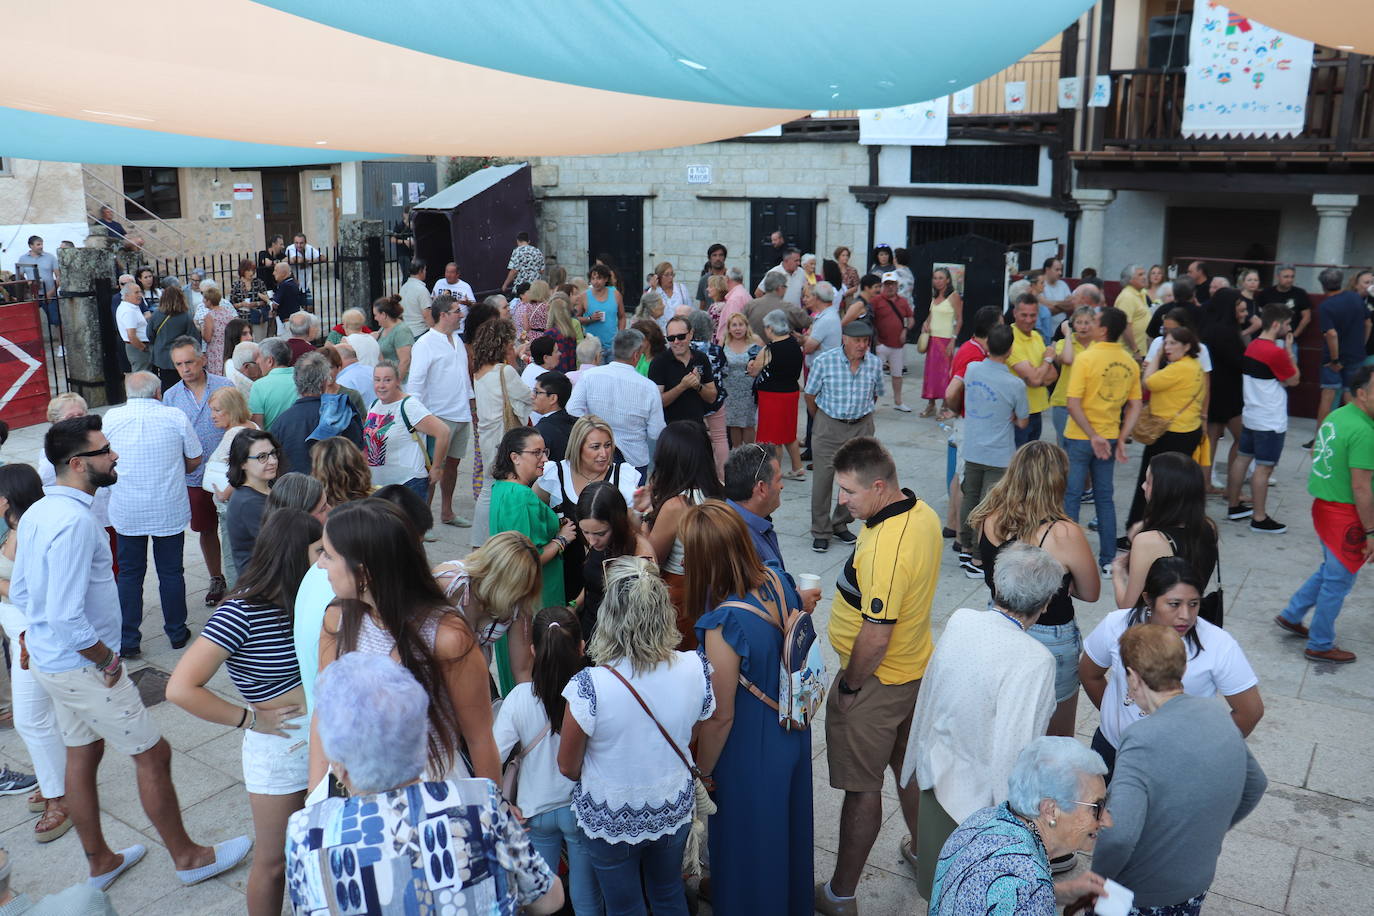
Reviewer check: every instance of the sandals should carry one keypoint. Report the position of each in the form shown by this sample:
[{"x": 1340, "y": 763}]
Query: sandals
[
  {"x": 928, "y": 412},
  {"x": 794, "y": 475},
  {"x": 52, "y": 824},
  {"x": 37, "y": 803}
]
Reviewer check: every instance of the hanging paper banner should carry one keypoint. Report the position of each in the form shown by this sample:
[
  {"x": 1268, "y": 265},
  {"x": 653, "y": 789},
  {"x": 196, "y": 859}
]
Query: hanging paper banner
[
  {"x": 1015, "y": 96},
  {"x": 922, "y": 124},
  {"x": 1244, "y": 79},
  {"x": 961, "y": 103},
  {"x": 1102, "y": 92},
  {"x": 1070, "y": 91}
]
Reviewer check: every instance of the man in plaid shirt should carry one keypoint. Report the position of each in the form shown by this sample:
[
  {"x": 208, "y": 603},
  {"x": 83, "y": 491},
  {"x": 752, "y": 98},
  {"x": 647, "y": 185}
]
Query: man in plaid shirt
[{"x": 843, "y": 386}]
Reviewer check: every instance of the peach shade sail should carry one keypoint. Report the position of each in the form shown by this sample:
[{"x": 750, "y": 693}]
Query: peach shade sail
[{"x": 1347, "y": 25}]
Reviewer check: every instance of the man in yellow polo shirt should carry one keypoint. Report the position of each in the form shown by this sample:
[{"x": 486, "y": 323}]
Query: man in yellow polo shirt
[
  {"x": 1033, "y": 363},
  {"x": 1136, "y": 304},
  {"x": 880, "y": 626},
  {"x": 1105, "y": 379}
]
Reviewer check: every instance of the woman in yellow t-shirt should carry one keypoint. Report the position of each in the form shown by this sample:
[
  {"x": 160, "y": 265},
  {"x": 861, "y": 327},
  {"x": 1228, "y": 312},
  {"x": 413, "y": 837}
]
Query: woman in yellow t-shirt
[
  {"x": 1066, "y": 350},
  {"x": 1177, "y": 390}
]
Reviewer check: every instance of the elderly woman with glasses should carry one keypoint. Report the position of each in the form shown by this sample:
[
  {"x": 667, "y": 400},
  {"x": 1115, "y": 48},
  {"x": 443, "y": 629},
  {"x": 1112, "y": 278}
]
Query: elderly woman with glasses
[
  {"x": 518, "y": 463},
  {"x": 989, "y": 689},
  {"x": 1167, "y": 832},
  {"x": 451, "y": 846},
  {"x": 998, "y": 859}
]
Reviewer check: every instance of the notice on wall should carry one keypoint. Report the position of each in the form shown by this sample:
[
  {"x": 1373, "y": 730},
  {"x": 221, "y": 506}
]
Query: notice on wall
[
  {"x": 1070, "y": 91},
  {"x": 243, "y": 190},
  {"x": 1244, "y": 79},
  {"x": 698, "y": 174},
  {"x": 415, "y": 191},
  {"x": 961, "y": 103},
  {"x": 398, "y": 193},
  {"x": 322, "y": 183},
  {"x": 922, "y": 124},
  {"x": 1014, "y": 96},
  {"x": 222, "y": 209},
  {"x": 1102, "y": 92}
]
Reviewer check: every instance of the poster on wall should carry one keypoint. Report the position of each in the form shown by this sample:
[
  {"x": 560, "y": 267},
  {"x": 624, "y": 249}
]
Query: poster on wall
[
  {"x": 1244, "y": 79},
  {"x": 1070, "y": 91},
  {"x": 961, "y": 103},
  {"x": 956, "y": 274},
  {"x": 922, "y": 124},
  {"x": 398, "y": 193},
  {"x": 243, "y": 190},
  {"x": 1102, "y": 92},
  {"x": 415, "y": 191},
  {"x": 1014, "y": 95}
]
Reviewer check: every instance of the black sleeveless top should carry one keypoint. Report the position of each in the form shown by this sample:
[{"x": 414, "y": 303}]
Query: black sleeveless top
[{"x": 1060, "y": 609}]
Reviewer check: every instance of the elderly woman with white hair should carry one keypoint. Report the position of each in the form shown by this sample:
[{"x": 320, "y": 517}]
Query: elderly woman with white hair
[
  {"x": 356, "y": 336},
  {"x": 439, "y": 847},
  {"x": 998, "y": 859},
  {"x": 988, "y": 690}
]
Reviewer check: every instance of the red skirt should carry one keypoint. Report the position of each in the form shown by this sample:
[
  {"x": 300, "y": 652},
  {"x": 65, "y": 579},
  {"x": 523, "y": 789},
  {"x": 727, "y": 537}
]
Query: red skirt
[{"x": 777, "y": 417}]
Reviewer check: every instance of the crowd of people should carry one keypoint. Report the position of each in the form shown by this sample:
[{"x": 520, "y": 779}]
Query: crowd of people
[{"x": 616, "y": 675}]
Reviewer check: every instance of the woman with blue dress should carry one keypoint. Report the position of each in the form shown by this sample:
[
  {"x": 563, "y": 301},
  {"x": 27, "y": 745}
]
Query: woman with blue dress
[{"x": 761, "y": 837}]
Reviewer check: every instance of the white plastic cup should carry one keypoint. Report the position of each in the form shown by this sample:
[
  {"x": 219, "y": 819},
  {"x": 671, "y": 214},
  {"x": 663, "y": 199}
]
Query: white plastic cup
[{"x": 807, "y": 580}]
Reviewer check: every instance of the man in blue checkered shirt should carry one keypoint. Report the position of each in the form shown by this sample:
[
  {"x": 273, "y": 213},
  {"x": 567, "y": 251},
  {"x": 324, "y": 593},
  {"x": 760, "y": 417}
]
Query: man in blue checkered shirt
[{"x": 841, "y": 391}]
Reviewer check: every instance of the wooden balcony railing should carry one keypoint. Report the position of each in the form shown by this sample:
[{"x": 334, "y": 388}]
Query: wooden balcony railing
[{"x": 1146, "y": 111}]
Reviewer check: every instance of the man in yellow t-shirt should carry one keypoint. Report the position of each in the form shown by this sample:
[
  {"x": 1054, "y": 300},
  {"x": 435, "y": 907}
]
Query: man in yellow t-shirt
[
  {"x": 1033, "y": 363},
  {"x": 880, "y": 626},
  {"x": 1136, "y": 304},
  {"x": 1105, "y": 379}
]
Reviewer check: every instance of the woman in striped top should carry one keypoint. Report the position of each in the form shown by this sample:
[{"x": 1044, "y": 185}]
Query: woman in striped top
[{"x": 250, "y": 635}]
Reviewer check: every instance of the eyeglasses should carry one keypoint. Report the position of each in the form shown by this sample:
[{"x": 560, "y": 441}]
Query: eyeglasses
[
  {"x": 94, "y": 454},
  {"x": 265, "y": 456},
  {"x": 1099, "y": 807},
  {"x": 534, "y": 451},
  {"x": 540, "y": 391},
  {"x": 674, "y": 338}
]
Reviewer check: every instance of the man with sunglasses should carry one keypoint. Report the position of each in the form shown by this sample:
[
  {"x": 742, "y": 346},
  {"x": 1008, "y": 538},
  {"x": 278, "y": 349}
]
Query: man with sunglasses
[
  {"x": 683, "y": 375},
  {"x": 64, "y": 584}
]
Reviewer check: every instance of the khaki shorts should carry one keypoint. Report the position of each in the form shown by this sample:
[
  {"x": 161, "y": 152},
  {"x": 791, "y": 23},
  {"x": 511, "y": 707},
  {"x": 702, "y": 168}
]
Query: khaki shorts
[
  {"x": 863, "y": 741},
  {"x": 459, "y": 438},
  {"x": 88, "y": 711}
]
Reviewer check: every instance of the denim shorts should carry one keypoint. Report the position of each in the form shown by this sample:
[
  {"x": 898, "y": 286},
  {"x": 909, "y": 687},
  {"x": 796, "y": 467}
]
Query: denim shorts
[
  {"x": 1264, "y": 445},
  {"x": 1065, "y": 644},
  {"x": 1338, "y": 381},
  {"x": 277, "y": 766}
]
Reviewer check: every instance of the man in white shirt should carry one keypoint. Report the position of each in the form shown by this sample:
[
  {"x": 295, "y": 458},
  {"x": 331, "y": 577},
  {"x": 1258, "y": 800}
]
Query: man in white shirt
[
  {"x": 300, "y": 255},
  {"x": 354, "y": 374},
  {"x": 455, "y": 287},
  {"x": 157, "y": 446},
  {"x": 1056, "y": 295},
  {"x": 439, "y": 380},
  {"x": 796, "y": 278},
  {"x": 415, "y": 300},
  {"x": 628, "y": 401}
]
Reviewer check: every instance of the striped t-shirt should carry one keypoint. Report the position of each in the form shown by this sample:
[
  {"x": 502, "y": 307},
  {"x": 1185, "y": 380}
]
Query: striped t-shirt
[{"x": 262, "y": 656}]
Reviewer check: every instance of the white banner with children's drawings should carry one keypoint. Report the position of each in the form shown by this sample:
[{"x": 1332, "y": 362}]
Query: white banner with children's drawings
[
  {"x": 922, "y": 124},
  {"x": 1244, "y": 79}
]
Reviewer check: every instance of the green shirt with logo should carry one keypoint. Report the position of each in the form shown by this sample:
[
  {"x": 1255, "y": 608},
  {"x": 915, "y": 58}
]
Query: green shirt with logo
[{"x": 1344, "y": 441}]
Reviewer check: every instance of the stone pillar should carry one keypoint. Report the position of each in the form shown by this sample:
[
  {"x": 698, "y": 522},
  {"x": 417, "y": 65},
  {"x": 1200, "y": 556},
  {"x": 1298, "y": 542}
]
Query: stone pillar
[
  {"x": 1333, "y": 219},
  {"x": 1092, "y": 229},
  {"x": 88, "y": 322},
  {"x": 361, "y": 264}
]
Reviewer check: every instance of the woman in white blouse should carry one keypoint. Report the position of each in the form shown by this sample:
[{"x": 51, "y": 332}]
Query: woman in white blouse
[
  {"x": 988, "y": 691},
  {"x": 591, "y": 457},
  {"x": 635, "y": 784}
]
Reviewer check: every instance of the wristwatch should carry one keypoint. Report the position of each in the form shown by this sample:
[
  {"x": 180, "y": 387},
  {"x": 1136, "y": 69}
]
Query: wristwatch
[{"x": 846, "y": 690}]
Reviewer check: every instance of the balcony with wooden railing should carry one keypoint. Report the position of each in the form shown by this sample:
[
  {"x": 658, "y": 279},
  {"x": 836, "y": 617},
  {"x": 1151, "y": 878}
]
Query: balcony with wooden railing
[{"x": 1146, "y": 114}]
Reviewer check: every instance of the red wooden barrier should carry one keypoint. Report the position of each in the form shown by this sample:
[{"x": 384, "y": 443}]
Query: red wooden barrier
[{"x": 23, "y": 365}]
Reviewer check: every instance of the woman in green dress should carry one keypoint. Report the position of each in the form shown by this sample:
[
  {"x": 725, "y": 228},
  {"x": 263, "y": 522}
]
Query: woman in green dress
[{"x": 514, "y": 507}]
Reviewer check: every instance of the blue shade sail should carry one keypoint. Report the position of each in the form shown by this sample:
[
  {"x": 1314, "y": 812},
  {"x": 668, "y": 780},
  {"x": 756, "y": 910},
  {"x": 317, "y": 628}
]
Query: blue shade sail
[
  {"x": 31, "y": 135},
  {"x": 804, "y": 54}
]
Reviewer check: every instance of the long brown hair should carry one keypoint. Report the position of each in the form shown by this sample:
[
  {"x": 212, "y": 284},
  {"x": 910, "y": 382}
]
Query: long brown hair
[
  {"x": 719, "y": 559},
  {"x": 382, "y": 551},
  {"x": 557, "y": 639},
  {"x": 1030, "y": 494},
  {"x": 339, "y": 465}
]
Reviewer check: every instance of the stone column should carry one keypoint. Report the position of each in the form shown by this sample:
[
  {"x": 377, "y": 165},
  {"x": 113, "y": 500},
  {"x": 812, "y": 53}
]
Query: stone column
[
  {"x": 88, "y": 321},
  {"x": 360, "y": 276},
  {"x": 1333, "y": 218},
  {"x": 1092, "y": 229}
]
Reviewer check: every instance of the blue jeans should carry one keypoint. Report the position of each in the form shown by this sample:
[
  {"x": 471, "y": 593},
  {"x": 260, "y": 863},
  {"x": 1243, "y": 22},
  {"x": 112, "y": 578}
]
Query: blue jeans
[
  {"x": 54, "y": 313},
  {"x": 171, "y": 586},
  {"x": 1324, "y": 592},
  {"x": 1034, "y": 426},
  {"x": 548, "y": 832},
  {"x": 1059, "y": 416},
  {"x": 1082, "y": 464},
  {"x": 618, "y": 868}
]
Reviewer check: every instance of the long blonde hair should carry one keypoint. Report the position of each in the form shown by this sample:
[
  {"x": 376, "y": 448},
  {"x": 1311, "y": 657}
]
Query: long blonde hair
[
  {"x": 1030, "y": 494},
  {"x": 636, "y": 620},
  {"x": 505, "y": 575},
  {"x": 560, "y": 316}
]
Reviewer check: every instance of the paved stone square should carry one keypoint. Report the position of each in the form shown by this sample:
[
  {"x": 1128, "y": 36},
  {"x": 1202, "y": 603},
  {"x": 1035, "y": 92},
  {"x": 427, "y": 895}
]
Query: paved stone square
[{"x": 1308, "y": 848}]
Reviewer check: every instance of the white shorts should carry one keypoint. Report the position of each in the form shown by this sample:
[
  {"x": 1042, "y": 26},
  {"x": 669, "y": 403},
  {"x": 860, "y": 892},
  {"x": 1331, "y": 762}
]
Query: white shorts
[
  {"x": 896, "y": 359},
  {"x": 277, "y": 766}
]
